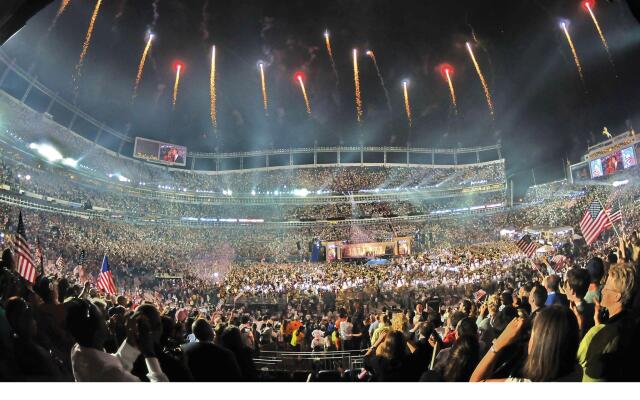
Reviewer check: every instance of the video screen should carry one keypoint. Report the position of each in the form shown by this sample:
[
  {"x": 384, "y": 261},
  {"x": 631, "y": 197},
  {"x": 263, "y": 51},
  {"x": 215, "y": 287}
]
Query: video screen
[
  {"x": 580, "y": 172},
  {"x": 618, "y": 161},
  {"x": 172, "y": 154},
  {"x": 164, "y": 153}
]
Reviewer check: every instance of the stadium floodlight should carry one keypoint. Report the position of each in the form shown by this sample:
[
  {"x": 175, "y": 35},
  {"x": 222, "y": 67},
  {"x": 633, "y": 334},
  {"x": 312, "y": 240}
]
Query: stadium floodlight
[
  {"x": 70, "y": 162},
  {"x": 300, "y": 192},
  {"x": 253, "y": 192},
  {"x": 47, "y": 151},
  {"x": 620, "y": 183}
]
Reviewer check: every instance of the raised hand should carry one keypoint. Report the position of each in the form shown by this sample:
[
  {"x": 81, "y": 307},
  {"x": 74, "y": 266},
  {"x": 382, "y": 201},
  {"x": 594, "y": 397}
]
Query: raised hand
[
  {"x": 596, "y": 311},
  {"x": 510, "y": 334}
]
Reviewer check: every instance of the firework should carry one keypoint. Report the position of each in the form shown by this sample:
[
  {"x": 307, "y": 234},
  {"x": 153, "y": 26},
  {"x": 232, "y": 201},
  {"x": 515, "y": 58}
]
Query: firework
[
  {"x": 212, "y": 89},
  {"x": 61, "y": 10},
  {"x": 487, "y": 93},
  {"x": 327, "y": 41},
  {"x": 407, "y": 105},
  {"x": 87, "y": 41},
  {"x": 176, "y": 85},
  {"x": 447, "y": 71},
  {"x": 576, "y": 59},
  {"x": 300, "y": 78},
  {"x": 588, "y": 5},
  {"x": 384, "y": 87},
  {"x": 141, "y": 66},
  {"x": 265, "y": 99},
  {"x": 356, "y": 81}
]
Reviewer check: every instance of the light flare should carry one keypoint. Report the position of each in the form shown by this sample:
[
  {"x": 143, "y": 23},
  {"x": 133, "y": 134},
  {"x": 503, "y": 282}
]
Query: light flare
[
  {"x": 485, "y": 87},
  {"x": 143, "y": 59},
  {"x": 356, "y": 81},
  {"x": 265, "y": 99},
  {"x": 176, "y": 85},
  {"x": 371, "y": 54},
  {"x": 576, "y": 59},
  {"x": 87, "y": 42},
  {"x": 407, "y": 105},
  {"x": 212, "y": 89}
]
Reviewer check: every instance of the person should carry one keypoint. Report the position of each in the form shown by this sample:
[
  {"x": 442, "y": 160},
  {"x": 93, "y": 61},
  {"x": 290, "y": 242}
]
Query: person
[
  {"x": 523, "y": 296},
  {"x": 551, "y": 350},
  {"x": 91, "y": 364},
  {"x": 387, "y": 360},
  {"x": 456, "y": 363},
  {"x": 31, "y": 361},
  {"x": 384, "y": 325},
  {"x": 231, "y": 340},
  {"x": 207, "y": 361},
  {"x": 595, "y": 267},
  {"x": 552, "y": 284},
  {"x": 538, "y": 298},
  {"x": 609, "y": 351},
  {"x": 576, "y": 286},
  {"x": 345, "y": 331},
  {"x": 166, "y": 345},
  {"x": 418, "y": 313}
]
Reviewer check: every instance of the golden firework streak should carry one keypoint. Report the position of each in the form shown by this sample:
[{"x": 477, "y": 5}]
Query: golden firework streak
[
  {"x": 451, "y": 90},
  {"x": 356, "y": 80},
  {"x": 384, "y": 87},
  {"x": 143, "y": 59},
  {"x": 597, "y": 24},
  {"x": 212, "y": 89},
  {"x": 487, "y": 94},
  {"x": 63, "y": 7},
  {"x": 176, "y": 85},
  {"x": 87, "y": 42},
  {"x": 61, "y": 10},
  {"x": 407, "y": 106},
  {"x": 327, "y": 41},
  {"x": 576, "y": 59},
  {"x": 304, "y": 94},
  {"x": 265, "y": 99}
]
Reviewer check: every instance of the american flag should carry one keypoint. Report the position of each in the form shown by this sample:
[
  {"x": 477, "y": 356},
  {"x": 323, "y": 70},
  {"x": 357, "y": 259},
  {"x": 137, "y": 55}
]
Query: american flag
[
  {"x": 615, "y": 215},
  {"x": 527, "y": 246},
  {"x": 60, "y": 263},
  {"x": 479, "y": 295},
  {"x": 593, "y": 222},
  {"x": 559, "y": 260},
  {"x": 26, "y": 265},
  {"x": 105, "y": 279}
]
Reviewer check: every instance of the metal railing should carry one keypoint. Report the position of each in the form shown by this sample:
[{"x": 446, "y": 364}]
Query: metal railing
[{"x": 309, "y": 361}]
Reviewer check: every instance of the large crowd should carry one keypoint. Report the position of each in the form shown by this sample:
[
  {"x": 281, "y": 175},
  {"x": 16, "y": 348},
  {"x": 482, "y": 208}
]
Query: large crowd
[
  {"x": 471, "y": 307},
  {"x": 212, "y": 303}
]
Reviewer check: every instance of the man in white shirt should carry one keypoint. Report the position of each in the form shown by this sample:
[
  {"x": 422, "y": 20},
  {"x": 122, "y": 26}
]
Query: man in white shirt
[{"x": 89, "y": 361}]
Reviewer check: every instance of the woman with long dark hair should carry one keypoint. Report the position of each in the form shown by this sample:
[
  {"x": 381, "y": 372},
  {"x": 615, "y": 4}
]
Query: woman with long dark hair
[{"x": 552, "y": 351}]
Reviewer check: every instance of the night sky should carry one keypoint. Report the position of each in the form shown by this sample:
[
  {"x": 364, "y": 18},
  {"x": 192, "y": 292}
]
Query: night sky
[{"x": 543, "y": 113}]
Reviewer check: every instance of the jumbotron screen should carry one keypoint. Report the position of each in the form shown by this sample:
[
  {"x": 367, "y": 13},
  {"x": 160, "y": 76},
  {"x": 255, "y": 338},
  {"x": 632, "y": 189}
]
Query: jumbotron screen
[
  {"x": 618, "y": 161},
  {"x": 164, "y": 153}
]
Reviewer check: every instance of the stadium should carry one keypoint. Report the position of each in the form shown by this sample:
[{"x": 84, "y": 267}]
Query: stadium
[{"x": 268, "y": 231}]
